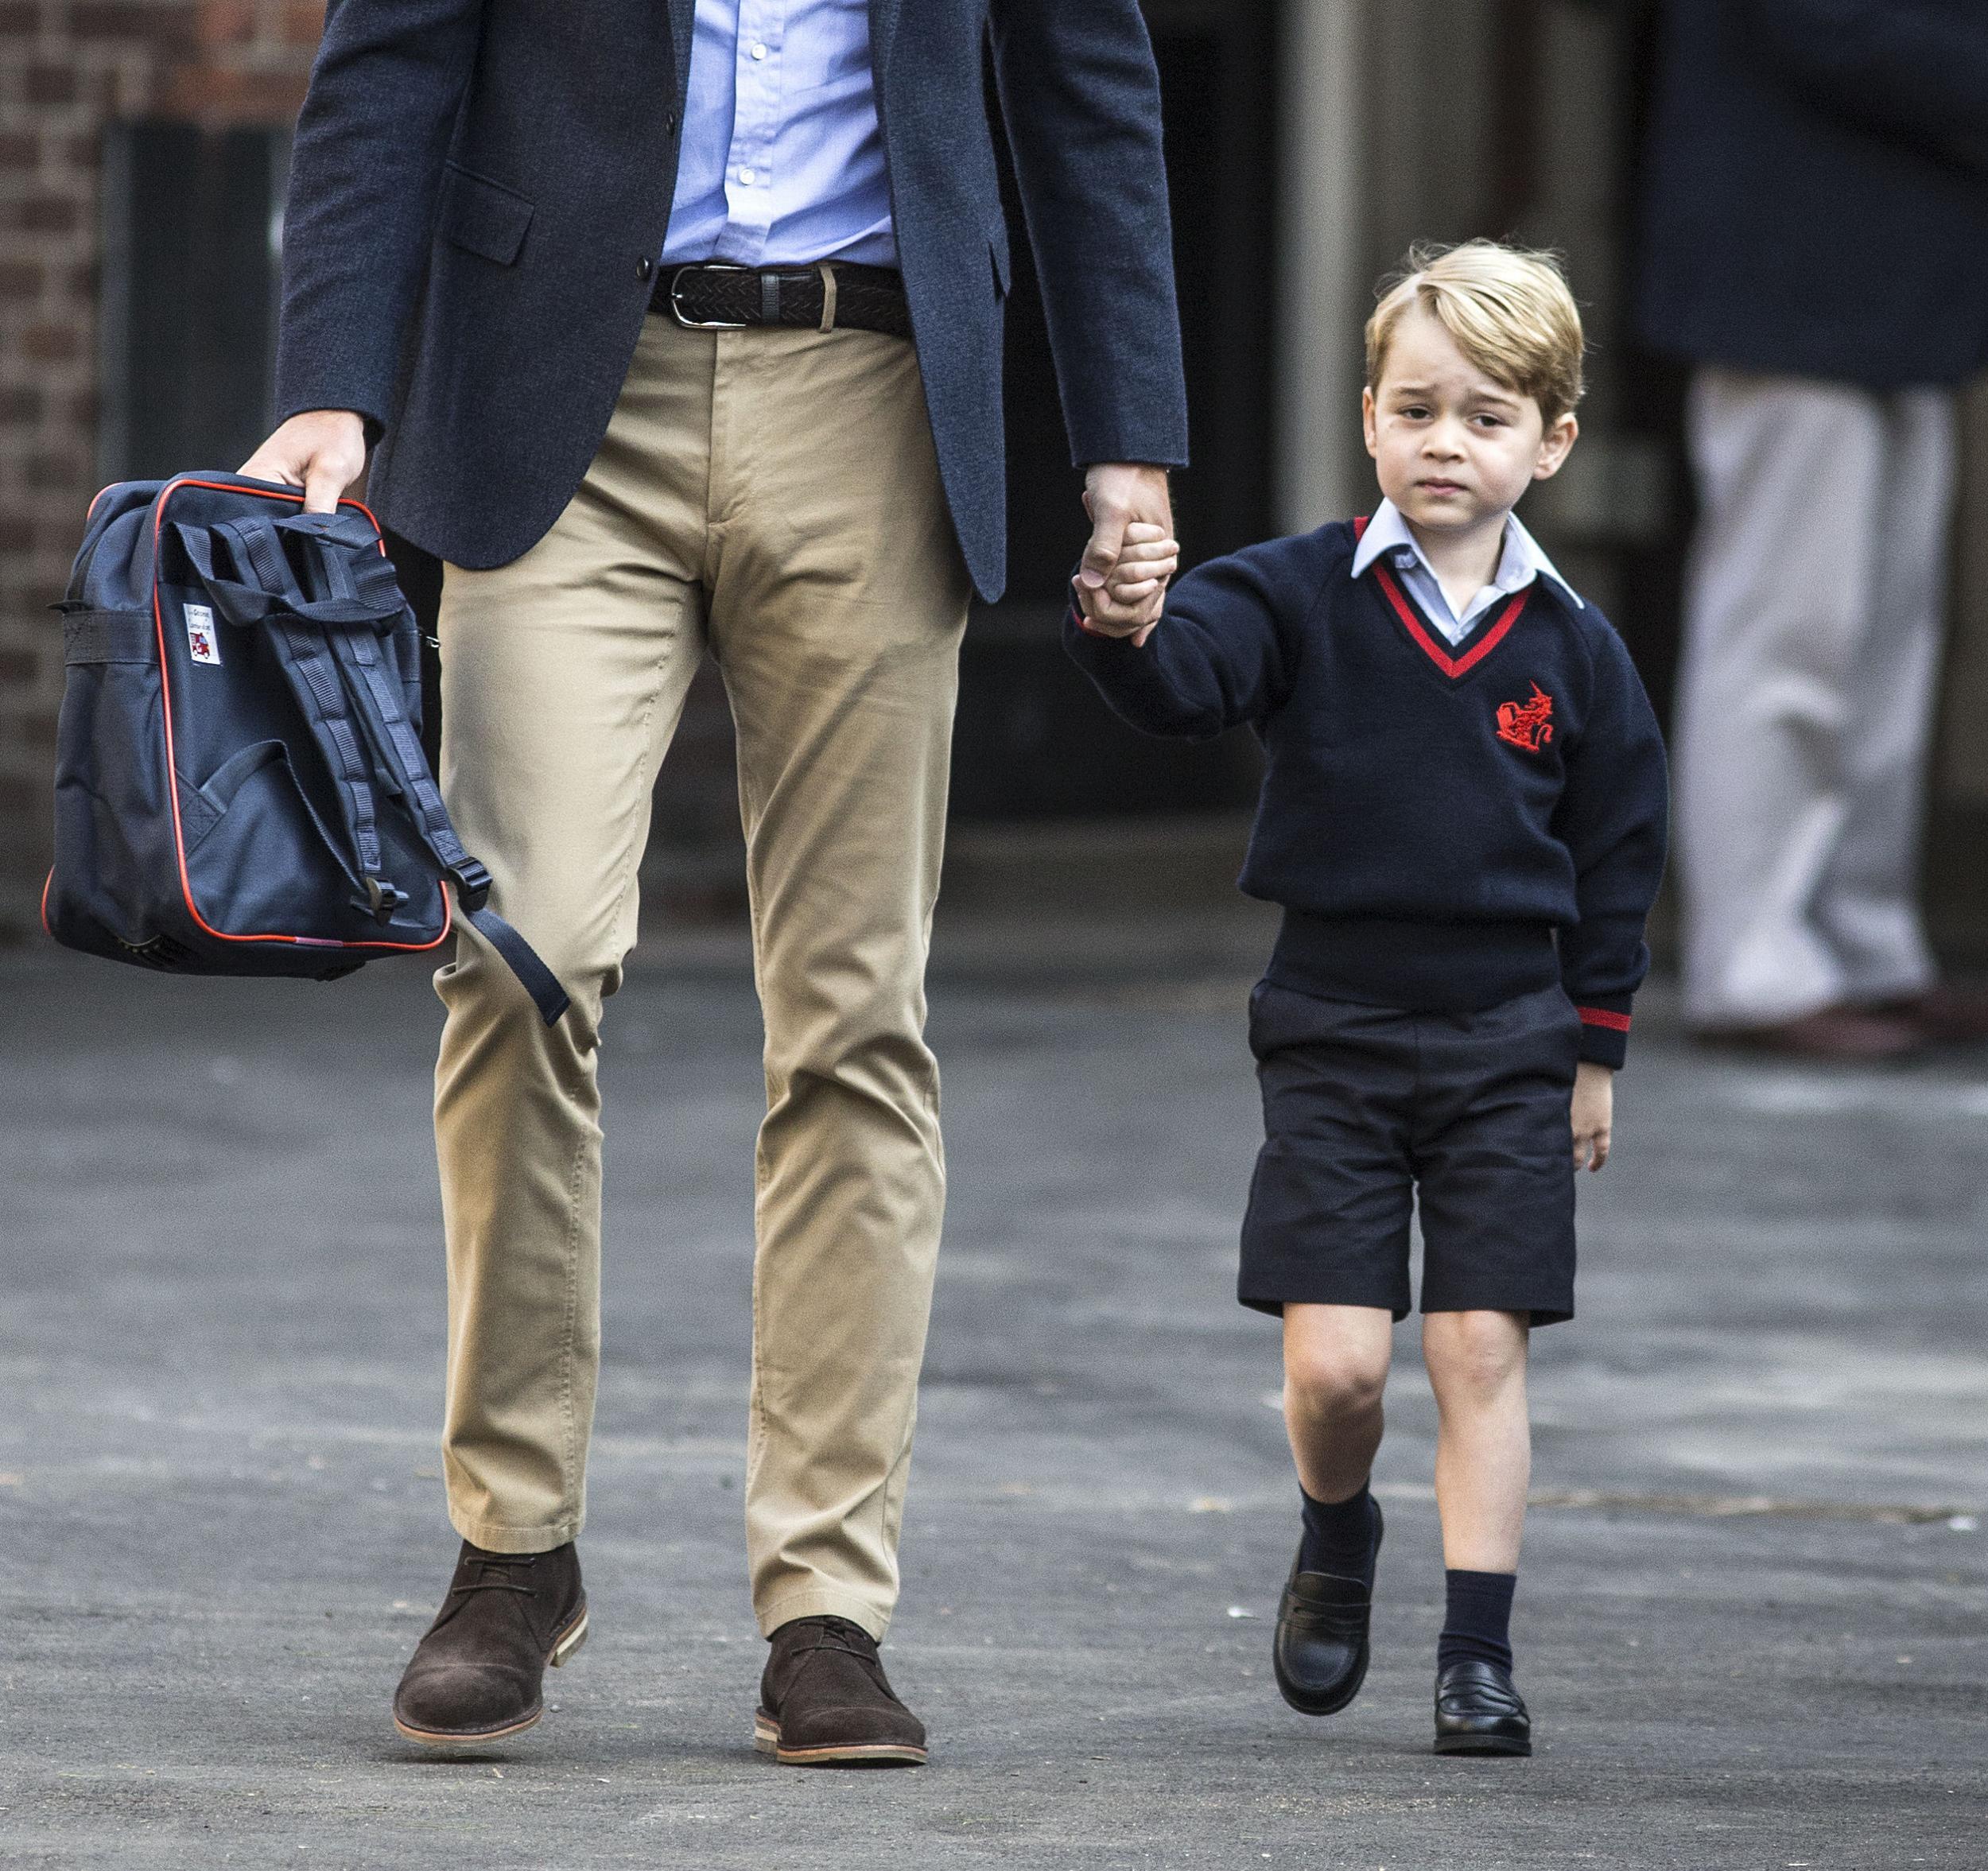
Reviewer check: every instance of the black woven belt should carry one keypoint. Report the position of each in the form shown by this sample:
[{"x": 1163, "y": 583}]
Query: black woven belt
[{"x": 712, "y": 296}]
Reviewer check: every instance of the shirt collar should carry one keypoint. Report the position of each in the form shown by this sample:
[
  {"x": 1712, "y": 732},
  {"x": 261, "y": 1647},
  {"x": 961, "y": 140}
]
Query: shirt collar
[{"x": 1520, "y": 561}]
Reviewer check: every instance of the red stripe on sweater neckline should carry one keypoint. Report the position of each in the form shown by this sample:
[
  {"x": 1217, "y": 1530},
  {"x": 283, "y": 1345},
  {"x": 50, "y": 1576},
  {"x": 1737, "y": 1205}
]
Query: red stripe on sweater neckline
[{"x": 1451, "y": 666}]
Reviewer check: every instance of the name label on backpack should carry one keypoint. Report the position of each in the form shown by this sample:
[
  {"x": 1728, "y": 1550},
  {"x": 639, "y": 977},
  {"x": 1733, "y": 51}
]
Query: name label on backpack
[{"x": 203, "y": 642}]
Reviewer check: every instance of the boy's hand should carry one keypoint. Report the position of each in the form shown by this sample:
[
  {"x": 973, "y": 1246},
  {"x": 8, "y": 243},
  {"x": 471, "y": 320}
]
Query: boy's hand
[
  {"x": 1593, "y": 1114},
  {"x": 1127, "y": 603}
]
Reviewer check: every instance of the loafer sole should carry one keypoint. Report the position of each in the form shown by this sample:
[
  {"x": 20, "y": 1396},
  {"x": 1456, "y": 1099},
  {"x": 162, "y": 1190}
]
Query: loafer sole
[
  {"x": 1481, "y": 1743},
  {"x": 766, "y": 1740},
  {"x": 564, "y": 1647}
]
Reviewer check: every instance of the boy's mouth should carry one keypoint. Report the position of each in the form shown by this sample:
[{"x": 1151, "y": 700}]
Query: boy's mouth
[{"x": 1440, "y": 487}]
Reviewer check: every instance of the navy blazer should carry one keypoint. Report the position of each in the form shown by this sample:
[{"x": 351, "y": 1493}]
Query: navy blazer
[
  {"x": 479, "y": 189},
  {"x": 1816, "y": 198}
]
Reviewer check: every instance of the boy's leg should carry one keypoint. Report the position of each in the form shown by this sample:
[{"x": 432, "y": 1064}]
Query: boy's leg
[
  {"x": 1496, "y": 1182},
  {"x": 1325, "y": 1244},
  {"x": 1335, "y": 1371},
  {"x": 1477, "y": 1364}
]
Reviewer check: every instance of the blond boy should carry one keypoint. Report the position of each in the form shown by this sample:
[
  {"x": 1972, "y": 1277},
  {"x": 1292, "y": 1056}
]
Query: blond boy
[{"x": 1463, "y": 816}]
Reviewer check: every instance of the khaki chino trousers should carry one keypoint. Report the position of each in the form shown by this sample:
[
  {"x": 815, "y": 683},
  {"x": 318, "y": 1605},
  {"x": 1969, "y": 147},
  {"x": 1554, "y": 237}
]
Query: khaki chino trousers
[{"x": 771, "y": 496}]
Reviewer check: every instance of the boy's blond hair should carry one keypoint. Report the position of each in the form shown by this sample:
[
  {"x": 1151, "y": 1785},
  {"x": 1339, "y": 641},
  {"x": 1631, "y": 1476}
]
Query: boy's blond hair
[{"x": 1509, "y": 310}]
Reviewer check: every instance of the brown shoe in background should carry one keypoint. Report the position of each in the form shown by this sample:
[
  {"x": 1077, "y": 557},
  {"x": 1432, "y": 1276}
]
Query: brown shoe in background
[
  {"x": 1942, "y": 1015},
  {"x": 825, "y": 1701},
  {"x": 476, "y": 1675},
  {"x": 1847, "y": 1034}
]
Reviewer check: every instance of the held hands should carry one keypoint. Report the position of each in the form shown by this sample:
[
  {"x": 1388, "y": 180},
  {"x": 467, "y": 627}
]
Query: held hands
[
  {"x": 1123, "y": 579},
  {"x": 321, "y": 451},
  {"x": 1128, "y": 603},
  {"x": 1593, "y": 1114}
]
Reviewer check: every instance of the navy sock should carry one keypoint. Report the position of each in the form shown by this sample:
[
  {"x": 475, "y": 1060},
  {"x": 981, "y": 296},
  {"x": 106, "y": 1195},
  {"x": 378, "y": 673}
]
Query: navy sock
[
  {"x": 1478, "y": 1620},
  {"x": 1339, "y": 1537}
]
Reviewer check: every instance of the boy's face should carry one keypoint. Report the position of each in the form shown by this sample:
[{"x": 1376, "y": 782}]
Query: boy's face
[{"x": 1454, "y": 449}]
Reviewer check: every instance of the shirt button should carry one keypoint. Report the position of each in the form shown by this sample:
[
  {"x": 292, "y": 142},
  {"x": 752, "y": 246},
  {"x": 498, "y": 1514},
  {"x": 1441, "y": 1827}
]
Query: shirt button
[
  {"x": 745, "y": 176},
  {"x": 644, "y": 267},
  {"x": 758, "y": 51}
]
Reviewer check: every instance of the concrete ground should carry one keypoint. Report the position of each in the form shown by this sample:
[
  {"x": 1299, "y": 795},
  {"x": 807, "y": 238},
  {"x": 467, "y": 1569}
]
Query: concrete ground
[{"x": 1751, "y": 1616}]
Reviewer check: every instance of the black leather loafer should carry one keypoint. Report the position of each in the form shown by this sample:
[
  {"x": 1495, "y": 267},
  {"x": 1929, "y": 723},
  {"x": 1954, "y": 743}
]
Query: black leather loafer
[
  {"x": 1320, "y": 1647},
  {"x": 825, "y": 1701},
  {"x": 1478, "y": 1711},
  {"x": 475, "y": 1675}
]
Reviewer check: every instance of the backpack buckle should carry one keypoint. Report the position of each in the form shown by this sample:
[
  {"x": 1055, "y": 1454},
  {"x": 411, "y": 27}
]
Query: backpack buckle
[
  {"x": 473, "y": 883},
  {"x": 382, "y": 899}
]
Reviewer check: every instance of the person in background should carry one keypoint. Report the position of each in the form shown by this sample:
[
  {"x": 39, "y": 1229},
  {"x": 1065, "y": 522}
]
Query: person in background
[{"x": 1815, "y": 240}]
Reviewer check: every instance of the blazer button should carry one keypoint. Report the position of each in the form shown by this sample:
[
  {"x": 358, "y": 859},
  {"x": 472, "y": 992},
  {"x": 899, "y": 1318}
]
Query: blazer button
[{"x": 644, "y": 267}]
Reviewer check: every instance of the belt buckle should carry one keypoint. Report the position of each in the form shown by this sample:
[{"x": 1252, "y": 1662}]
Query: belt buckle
[{"x": 704, "y": 324}]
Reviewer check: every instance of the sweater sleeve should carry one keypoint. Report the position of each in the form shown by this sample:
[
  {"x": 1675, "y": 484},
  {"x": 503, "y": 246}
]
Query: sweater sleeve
[
  {"x": 1225, "y": 648},
  {"x": 1613, "y": 818}
]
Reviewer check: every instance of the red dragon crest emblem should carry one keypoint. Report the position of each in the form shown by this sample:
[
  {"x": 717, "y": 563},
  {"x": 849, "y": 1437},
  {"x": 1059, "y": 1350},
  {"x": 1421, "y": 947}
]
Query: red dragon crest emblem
[{"x": 1527, "y": 724}]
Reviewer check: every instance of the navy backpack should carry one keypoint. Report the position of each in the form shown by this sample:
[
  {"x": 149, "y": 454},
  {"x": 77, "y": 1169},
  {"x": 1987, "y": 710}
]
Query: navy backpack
[{"x": 240, "y": 787}]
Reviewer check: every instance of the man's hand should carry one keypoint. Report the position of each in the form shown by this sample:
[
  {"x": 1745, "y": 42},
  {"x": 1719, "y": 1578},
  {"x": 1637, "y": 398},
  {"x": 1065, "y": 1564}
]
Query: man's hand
[
  {"x": 1593, "y": 1114},
  {"x": 1123, "y": 605},
  {"x": 1118, "y": 494},
  {"x": 321, "y": 451}
]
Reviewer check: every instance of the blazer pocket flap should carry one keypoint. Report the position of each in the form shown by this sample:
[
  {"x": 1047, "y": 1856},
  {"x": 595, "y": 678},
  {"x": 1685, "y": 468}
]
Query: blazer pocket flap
[{"x": 483, "y": 216}]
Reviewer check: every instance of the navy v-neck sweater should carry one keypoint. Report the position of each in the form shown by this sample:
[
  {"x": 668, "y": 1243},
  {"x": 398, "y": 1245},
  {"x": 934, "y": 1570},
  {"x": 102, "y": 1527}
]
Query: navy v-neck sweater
[{"x": 1445, "y": 826}]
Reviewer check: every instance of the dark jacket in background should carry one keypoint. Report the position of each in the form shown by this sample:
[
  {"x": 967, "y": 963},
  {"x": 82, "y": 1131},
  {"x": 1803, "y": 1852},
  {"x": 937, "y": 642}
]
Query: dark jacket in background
[
  {"x": 479, "y": 188},
  {"x": 1816, "y": 200}
]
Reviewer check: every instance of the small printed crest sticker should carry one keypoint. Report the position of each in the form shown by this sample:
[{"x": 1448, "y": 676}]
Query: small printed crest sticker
[{"x": 202, "y": 642}]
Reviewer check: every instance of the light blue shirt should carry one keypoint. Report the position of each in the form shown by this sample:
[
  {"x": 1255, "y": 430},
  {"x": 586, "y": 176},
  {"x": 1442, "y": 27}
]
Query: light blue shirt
[
  {"x": 782, "y": 157},
  {"x": 1520, "y": 561}
]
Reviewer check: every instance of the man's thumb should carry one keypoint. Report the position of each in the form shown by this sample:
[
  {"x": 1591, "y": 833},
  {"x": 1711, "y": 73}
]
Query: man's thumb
[{"x": 1107, "y": 534}]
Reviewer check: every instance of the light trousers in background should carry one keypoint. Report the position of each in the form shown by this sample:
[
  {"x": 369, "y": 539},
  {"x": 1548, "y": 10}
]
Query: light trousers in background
[
  {"x": 771, "y": 494},
  {"x": 1812, "y": 631}
]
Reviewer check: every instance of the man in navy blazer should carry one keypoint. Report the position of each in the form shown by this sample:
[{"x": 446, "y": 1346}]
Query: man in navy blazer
[
  {"x": 676, "y": 329},
  {"x": 1815, "y": 241}
]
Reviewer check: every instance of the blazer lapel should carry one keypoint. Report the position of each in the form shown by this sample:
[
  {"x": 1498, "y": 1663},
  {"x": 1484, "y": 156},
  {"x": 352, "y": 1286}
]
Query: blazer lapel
[
  {"x": 682, "y": 17},
  {"x": 884, "y": 14}
]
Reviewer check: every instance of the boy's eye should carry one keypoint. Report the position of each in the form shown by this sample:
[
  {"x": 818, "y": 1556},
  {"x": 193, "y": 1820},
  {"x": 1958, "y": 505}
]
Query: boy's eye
[
  {"x": 1489, "y": 421},
  {"x": 1416, "y": 412}
]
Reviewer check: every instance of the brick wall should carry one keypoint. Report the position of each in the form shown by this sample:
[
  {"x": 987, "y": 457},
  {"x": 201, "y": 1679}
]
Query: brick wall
[{"x": 67, "y": 69}]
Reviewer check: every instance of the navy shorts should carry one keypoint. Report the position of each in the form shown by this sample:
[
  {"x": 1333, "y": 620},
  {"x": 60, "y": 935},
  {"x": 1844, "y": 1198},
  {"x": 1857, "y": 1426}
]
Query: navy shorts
[{"x": 1368, "y": 1111}]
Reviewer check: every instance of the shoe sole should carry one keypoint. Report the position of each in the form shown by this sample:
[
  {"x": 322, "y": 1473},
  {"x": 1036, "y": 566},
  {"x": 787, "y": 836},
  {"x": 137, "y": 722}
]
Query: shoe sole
[
  {"x": 564, "y": 1647},
  {"x": 1480, "y": 1744},
  {"x": 766, "y": 1740}
]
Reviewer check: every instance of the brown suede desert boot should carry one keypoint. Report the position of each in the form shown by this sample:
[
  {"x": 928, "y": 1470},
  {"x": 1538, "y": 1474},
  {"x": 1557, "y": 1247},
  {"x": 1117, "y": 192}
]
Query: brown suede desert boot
[
  {"x": 825, "y": 1701},
  {"x": 475, "y": 1675}
]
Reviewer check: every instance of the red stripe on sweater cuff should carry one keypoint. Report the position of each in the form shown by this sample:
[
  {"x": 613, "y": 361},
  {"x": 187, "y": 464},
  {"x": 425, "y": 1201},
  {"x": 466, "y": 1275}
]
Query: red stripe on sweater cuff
[{"x": 1600, "y": 1016}]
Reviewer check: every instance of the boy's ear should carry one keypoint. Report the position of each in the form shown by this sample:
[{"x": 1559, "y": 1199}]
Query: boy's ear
[
  {"x": 1366, "y": 422},
  {"x": 1554, "y": 447}
]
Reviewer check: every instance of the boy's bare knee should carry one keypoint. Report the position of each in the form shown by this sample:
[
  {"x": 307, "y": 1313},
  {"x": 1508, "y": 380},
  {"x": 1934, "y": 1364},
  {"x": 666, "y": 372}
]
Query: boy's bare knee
[
  {"x": 1327, "y": 1383},
  {"x": 1477, "y": 1351}
]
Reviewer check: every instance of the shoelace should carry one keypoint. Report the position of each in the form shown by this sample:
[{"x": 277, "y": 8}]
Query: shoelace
[
  {"x": 830, "y": 1636},
  {"x": 498, "y": 1562}
]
